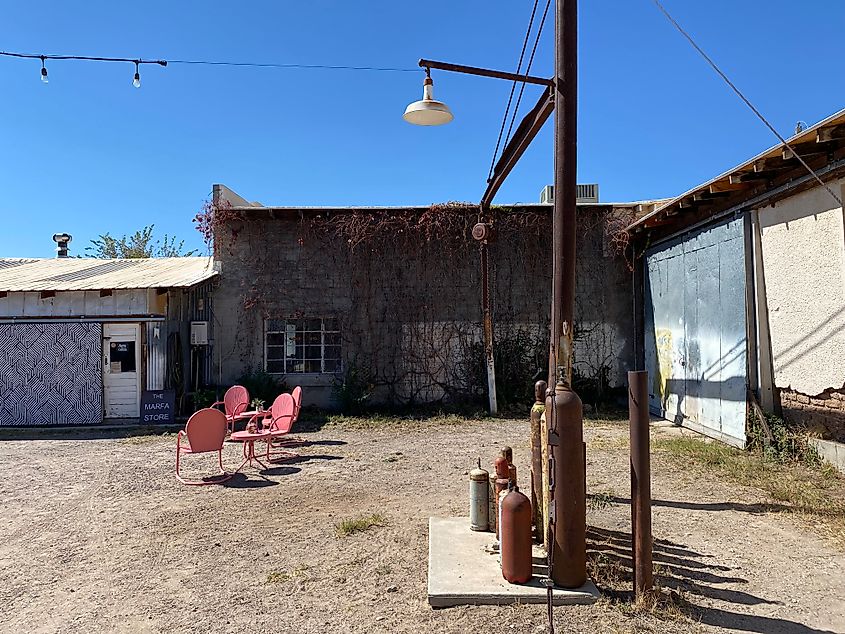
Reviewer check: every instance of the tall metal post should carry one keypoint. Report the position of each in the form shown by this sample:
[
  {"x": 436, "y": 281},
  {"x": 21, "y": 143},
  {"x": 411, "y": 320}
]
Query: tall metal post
[
  {"x": 568, "y": 556},
  {"x": 640, "y": 481}
]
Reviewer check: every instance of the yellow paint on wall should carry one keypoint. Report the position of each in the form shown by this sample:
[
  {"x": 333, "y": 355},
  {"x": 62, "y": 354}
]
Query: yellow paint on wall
[{"x": 663, "y": 345}]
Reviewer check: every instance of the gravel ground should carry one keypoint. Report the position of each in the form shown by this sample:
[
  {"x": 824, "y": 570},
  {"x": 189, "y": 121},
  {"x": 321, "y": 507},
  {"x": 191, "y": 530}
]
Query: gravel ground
[{"x": 96, "y": 535}]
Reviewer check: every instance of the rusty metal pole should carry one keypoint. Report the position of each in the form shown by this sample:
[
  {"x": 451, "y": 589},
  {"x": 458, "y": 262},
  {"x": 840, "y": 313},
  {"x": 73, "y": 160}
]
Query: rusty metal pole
[
  {"x": 537, "y": 459},
  {"x": 488, "y": 328},
  {"x": 640, "y": 481},
  {"x": 568, "y": 556}
]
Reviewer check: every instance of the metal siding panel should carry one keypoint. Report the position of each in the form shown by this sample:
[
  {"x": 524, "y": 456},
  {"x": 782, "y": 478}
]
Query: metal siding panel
[
  {"x": 732, "y": 318},
  {"x": 156, "y": 355},
  {"x": 695, "y": 326}
]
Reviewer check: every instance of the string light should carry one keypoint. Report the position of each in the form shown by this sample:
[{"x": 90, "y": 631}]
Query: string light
[{"x": 136, "y": 80}]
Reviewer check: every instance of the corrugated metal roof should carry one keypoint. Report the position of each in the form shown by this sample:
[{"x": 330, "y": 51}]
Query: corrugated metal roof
[{"x": 91, "y": 274}]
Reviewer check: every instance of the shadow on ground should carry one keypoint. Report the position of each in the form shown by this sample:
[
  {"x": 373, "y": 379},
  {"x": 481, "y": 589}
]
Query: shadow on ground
[{"x": 686, "y": 573}]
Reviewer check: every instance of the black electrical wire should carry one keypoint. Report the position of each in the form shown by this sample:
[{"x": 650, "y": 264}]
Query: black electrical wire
[
  {"x": 528, "y": 69},
  {"x": 513, "y": 89},
  {"x": 165, "y": 62},
  {"x": 745, "y": 99}
]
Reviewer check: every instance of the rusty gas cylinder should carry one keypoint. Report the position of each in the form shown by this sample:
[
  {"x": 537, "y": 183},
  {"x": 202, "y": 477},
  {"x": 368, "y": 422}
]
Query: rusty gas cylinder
[
  {"x": 507, "y": 452},
  {"x": 492, "y": 505},
  {"x": 500, "y": 490},
  {"x": 515, "y": 538},
  {"x": 502, "y": 465},
  {"x": 478, "y": 505}
]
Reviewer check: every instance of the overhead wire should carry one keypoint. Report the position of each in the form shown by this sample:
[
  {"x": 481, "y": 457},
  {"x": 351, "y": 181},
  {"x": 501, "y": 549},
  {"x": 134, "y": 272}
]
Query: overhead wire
[
  {"x": 745, "y": 99},
  {"x": 513, "y": 89},
  {"x": 165, "y": 62},
  {"x": 528, "y": 69}
]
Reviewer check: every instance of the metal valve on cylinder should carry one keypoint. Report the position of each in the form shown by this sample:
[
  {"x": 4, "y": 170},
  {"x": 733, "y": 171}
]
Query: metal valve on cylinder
[{"x": 478, "y": 502}]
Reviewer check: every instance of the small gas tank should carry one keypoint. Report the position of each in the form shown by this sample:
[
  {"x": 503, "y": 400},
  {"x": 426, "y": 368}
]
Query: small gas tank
[
  {"x": 502, "y": 465},
  {"x": 515, "y": 537},
  {"x": 478, "y": 503}
]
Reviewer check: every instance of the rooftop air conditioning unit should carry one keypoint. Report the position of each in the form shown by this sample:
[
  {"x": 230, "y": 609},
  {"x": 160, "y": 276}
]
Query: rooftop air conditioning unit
[
  {"x": 587, "y": 193},
  {"x": 583, "y": 194}
]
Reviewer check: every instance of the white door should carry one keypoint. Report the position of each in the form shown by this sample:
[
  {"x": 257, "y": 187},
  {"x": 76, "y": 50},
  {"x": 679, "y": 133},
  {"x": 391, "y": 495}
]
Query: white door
[{"x": 121, "y": 370}]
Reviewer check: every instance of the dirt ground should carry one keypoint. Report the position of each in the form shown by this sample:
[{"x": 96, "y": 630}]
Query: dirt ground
[{"x": 96, "y": 535}]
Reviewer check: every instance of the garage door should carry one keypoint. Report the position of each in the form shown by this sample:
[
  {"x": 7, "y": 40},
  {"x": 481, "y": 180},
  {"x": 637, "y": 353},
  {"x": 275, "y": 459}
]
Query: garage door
[
  {"x": 50, "y": 374},
  {"x": 696, "y": 332}
]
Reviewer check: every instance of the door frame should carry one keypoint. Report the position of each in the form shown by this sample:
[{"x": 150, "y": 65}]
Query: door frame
[{"x": 139, "y": 365}]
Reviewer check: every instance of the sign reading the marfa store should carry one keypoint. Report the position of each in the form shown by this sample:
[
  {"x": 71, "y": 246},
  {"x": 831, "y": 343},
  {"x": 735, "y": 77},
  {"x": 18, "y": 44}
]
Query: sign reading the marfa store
[{"x": 158, "y": 407}]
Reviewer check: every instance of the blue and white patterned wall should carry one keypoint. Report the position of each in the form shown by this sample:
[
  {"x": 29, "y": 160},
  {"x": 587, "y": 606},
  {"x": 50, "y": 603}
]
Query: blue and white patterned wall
[{"x": 51, "y": 374}]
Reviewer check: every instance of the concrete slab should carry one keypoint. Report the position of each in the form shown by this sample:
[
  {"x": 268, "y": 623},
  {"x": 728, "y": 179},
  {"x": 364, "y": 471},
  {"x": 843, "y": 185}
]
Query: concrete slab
[
  {"x": 463, "y": 570},
  {"x": 832, "y": 452}
]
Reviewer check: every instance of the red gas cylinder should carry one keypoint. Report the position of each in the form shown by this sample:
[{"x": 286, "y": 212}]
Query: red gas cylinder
[
  {"x": 515, "y": 537},
  {"x": 502, "y": 466}
]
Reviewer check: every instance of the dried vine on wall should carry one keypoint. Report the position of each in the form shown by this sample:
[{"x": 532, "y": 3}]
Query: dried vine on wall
[{"x": 411, "y": 281}]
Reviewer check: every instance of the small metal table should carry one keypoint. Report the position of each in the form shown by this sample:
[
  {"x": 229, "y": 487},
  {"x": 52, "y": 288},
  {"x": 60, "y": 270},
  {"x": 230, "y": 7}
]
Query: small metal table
[{"x": 248, "y": 439}]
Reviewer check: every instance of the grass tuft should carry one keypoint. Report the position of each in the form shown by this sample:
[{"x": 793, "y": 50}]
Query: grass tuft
[
  {"x": 599, "y": 500},
  {"x": 800, "y": 486},
  {"x": 350, "y": 526}
]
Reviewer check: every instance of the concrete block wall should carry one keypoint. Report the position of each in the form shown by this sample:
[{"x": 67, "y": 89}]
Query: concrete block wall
[
  {"x": 271, "y": 267},
  {"x": 822, "y": 414}
]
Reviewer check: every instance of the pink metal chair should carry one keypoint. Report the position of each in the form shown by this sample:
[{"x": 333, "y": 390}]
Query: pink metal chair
[
  {"x": 235, "y": 402},
  {"x": 279, "y": 420},
  {"x": 205, "y": 432},
  {"x": 297, "y": 402}
]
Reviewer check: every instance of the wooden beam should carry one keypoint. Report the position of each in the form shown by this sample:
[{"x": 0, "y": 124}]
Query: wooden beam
[
  {"x": 726, "y": 186},
  {"x": 831, "y": 133}
]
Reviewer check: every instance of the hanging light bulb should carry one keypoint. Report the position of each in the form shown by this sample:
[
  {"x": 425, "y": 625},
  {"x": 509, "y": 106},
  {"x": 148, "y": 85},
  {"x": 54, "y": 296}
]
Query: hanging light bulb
[
  {"x": 44, "y": 72},
  {"x": 137, "y": 80}
]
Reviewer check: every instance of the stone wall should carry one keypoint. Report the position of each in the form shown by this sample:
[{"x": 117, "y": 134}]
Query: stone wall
[
  {"x": 409, "y": 309},
  {"x": 823, "y": 414}
]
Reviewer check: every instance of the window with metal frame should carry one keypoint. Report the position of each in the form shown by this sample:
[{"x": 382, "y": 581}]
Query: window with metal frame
[{"x": 302, "y": 346}]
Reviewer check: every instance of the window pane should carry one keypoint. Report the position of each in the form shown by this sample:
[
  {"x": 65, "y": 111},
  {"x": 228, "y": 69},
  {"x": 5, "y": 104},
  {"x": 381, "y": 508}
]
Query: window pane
[
  {"x": 332, "y": 365},
  {"x": 330, "y": 324},
  {"x": 314, "y": 324},
  {"x": 275, "y": 366},
  {"x": 275, "y": 339},
  {"x": 313, "y": 366},
  {"x": 332, "y": 339},
  {"x": 296, "y": 366},
  {"x": 332, "y": 352},
  {"x": 297, "y": 353},
  {"x": 275, "y": 352},
  {"x": 312, "y": 338},
  {"x": 275, "y": 325},
  {"x": 312, "y": 352}
]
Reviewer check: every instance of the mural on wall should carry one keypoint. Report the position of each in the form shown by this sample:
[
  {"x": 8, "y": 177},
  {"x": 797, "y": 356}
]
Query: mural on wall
[{"x": 50, "y": 374}]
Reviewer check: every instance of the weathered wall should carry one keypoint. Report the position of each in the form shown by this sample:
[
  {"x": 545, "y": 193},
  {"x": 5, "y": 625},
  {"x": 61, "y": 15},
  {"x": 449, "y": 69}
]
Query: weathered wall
[
  {"x": 803, "y": 248},
  {"x": 410, "y": 310}
]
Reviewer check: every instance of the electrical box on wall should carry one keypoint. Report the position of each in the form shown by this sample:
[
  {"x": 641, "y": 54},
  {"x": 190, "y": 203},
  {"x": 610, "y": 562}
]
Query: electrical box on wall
[{"x": 199, "y": 333}]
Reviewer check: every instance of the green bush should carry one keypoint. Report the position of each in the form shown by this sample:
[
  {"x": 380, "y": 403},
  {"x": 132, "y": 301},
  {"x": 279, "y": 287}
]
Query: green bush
[
  {"x": 262, "y": 386},
  {"x": 353, "y": 389}
]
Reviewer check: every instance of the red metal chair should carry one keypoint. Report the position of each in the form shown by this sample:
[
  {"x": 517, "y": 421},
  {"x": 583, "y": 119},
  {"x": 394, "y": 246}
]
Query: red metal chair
[
  {"x": 235, "y": 402},
  {"x": 279, "y": 420},
  {"x": 297, "y": 402},
  {"x": 205, "y": 432}
]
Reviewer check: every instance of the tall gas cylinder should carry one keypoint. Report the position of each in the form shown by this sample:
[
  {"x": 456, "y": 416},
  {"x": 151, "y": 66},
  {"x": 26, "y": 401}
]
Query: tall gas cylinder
[
  {"x": 478, "y": 503},
  {"x": 516, "y": 537},
  {"x": 492, "y": 506},
  {"x": 537, "y": 459},
  {"x": 569, "y": 506},
  {"x": 507, "y": 452},
  {"x": 501, "y": 484}
]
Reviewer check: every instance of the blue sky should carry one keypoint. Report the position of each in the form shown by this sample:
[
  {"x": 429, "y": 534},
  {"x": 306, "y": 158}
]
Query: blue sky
[{"x": 88, "y": 153}]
